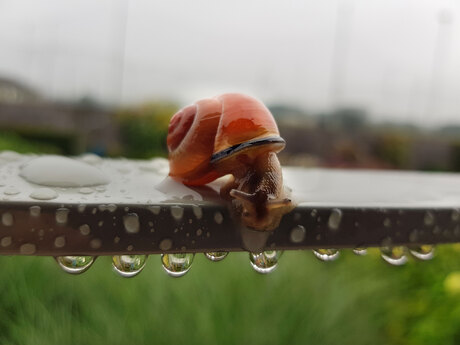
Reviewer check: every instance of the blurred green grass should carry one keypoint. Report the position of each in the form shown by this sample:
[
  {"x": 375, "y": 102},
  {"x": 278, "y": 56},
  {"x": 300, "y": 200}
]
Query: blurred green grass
[{"x": 355, "y": 300}]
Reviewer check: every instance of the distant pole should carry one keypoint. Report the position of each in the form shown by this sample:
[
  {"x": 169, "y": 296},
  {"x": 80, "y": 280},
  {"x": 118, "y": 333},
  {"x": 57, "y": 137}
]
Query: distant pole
[
  {"x": 119, "y": 50},
  {"x": 340, "y": 52},
  {"x": 440, "y": 53}
]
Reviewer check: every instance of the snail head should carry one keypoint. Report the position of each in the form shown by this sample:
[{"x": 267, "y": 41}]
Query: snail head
[{"x": 258, "y": 211}]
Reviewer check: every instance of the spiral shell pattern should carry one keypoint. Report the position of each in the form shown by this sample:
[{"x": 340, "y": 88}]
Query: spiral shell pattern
[{"x": 209, "y": 126}]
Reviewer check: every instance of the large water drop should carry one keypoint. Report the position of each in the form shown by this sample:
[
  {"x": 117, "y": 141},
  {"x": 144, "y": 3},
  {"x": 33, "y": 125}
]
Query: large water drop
[
  {"x": 326, "y": 254},
  {"x": 128, "y": 265},
  {"x": 75, "y": 264},
  {"x": 360, "y": 251},
  {"x": 56, "y": 171},
  {"x": 44, "y": 194},
  {"x": 334, "y": 219},
  {"x": 394, "y": 255},
  {"x": 131, "y": 223},
  {"x": 176, "y": 265},
  {"x": 422, "y": 252},
  {"x": 216, "y": 256},
  {"x": 265, "y": 262}
]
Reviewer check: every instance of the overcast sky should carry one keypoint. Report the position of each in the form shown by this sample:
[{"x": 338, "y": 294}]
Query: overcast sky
[{"x": 398, "y": 58}]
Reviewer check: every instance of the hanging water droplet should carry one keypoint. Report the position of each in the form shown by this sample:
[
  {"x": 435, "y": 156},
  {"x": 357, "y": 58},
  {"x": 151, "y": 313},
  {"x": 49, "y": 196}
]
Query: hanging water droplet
[
  {"x": 176, "y": 265},
  {"x": 44, "y": 194},
  {"x": 75, "y": 264},
  {"x": 360, "y": 251},
  {"x": 394, "y": 255},
  {"x": 334, "y": 219},
  {"x": 326, "y": 254},
  {"x": 131, "y": 223},
  {"x": 265, "y": 262},
  {"x": 422, "y": 252},
  {"x": 197, "y": 211},
  {"x": 216, "y": 256},
  {"x": 128, "y": 265}
]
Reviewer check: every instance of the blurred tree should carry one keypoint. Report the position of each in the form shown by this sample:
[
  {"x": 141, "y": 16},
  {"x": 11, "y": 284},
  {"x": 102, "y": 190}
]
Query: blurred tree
[
  {"x": 144, "y": 129},
  {"x": 393, "y": 148},
  {"x": 349, "y": 119}
]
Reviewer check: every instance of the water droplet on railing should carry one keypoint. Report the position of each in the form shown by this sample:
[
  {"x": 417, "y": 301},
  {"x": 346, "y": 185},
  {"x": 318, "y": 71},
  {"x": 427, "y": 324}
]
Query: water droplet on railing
[
  {"x": 360, "y": 251},
  {"x": 394, "y": 255},
  {"x": 177, "y": 265},
  {"x": 326, "y": 254},
  {"x": 128, "y": 265},
  {"x": 56, "y": 171},
  {"x": 177, "y": 212},
  {"x": 7, "y": 219},
  {"x": 62, "y": 215},
  {"x": 11, "y": 191},
  {"x": 75, "y": 264},
  {"x": 265, "y": 262},
  {"x": 422, "y": 252},
  {"x": 297, "y": 234},
  {"x": 334, "y": 219},
  {"x": 216, "y": 256},
  {"x": 428, "y": 220},
  {"x": 218, "y": 217},
  {"x": 35, "y": 211},
  {"x": 44, "y": 194},
  {"x": 131, "y": 223}
]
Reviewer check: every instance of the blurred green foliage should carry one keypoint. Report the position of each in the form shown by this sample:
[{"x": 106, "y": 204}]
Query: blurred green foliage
[
  {"x": 14, "y": 142},
  {"x": 393, "y": 148},
  {"x": 355, "y": 300},
  {"x": 144, "y": 129}
]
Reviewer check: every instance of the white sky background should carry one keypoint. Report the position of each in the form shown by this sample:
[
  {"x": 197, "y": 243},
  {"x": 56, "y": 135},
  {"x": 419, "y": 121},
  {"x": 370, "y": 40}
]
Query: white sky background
[{"x": 398, "y": 58}]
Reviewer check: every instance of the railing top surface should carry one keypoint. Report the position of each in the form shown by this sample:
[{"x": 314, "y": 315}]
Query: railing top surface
[{"x": 107, "y": 206}]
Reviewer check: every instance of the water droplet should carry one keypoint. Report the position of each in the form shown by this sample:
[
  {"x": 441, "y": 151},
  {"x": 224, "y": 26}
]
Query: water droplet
[
  {"x": 422, "y": 252},
  {"x": 394, "y": 255},
  {"x": 86, "y": 190},
  {"x": 154, "y": 209},
  {"x": 59, "y": 242},
  {"x": 166, "y": 244},
  {"x": 298, "y": 234},
  {"x": 387, "y": 222},
  {"x": 90, "y": 158},
  {"x": 131, "y": 223},
  {"x": 27, "y": 249},
  {"x": 428, "y": 220},
  {"x": 44, "y": 194},
  {"x": 176, "y": 265},
  {"x": 265, "y": 262},
  {"x": 7, "y": 219},
  {"x": 57, "y": 171},
  {"x": 75, "y": 264},
  {"x": 218, "y": 217},
  {"x": 81, "y": 208},
  {"x": 95, "y": 243},
  {"x": 62, "y": 215},
  {"x": 84, "y": 229},
  {"x": 360, "y": 251},
  {"x": 455, "y": 215},
  {"x": 177, "y": 212},
  {"x": 128, "y": 265},
  {"x": 10, "y": 156},
  {"x": 35, "y": 211},
  {"x": 199, "y": 232},
  {"x": 326, "y": 254},
  {"x": 111, "y": 208},
  {"x": 334, "y": 219},
  {"x": 216, "y": 256},
  {"x": 197, "y": 211},
  {"x": 6, "y": 241},
  {"x": 11, "y": 191}
]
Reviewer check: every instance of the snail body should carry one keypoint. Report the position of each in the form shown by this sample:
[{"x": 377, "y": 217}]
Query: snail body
[{"x": 232, "y": 134}]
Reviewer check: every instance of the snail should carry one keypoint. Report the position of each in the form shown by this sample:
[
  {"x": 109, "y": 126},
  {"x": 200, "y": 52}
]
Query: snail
[{"x": 232, "y": 134}]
